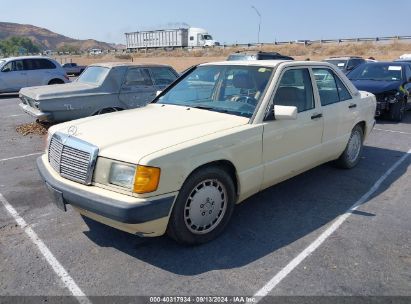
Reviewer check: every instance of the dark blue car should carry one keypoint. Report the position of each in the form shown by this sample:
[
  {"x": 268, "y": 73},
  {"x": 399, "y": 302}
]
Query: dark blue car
[{"x": 390, "y": 82}]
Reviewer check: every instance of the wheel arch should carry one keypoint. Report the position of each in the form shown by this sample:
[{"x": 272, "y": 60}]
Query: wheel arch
[
  {"x": 227, "y": 166},
  {"x": 55, "y": 80}
]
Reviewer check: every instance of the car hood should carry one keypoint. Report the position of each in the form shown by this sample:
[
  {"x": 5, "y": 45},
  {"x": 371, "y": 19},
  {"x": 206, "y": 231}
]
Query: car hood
[
  {"x": 376, "y": 86},
  {"x": 130, "y": 135},
  {"x": 59, "y": 90}
]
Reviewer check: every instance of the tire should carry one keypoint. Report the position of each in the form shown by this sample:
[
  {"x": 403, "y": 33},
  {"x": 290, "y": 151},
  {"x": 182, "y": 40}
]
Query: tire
[
  {"x": 396, "y": 111},
  {"x": 352, "y": 153},
  {"x": 203, "y": 207},
  {"x": 106, "y": 110},
  {"x": 55, "y": 81}
]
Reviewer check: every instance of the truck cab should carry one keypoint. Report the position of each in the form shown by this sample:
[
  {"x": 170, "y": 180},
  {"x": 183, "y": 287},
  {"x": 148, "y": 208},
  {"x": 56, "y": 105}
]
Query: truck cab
[{"x": 200, "y": 37}]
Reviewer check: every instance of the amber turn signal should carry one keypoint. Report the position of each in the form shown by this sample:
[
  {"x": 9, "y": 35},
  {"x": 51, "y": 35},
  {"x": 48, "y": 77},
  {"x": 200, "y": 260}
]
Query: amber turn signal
[{"x": 146, "y": 179}]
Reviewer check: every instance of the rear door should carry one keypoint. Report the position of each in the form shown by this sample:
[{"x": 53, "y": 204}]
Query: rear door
[
  {"x": 13, "y": 76},
  {"x": 39, "y": 71},
  {"x": 138, "y": 88},
  {"x": 339, "y": 110},
  {"x": 292, "y": 146}
]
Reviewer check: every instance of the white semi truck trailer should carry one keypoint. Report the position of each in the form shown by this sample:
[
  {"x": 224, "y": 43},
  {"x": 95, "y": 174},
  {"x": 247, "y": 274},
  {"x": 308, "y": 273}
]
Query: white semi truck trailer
[{"x": 169, "y": 38}]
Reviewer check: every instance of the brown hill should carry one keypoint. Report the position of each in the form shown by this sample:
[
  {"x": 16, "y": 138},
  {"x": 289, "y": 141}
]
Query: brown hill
[{"x": 46, "y": 39}]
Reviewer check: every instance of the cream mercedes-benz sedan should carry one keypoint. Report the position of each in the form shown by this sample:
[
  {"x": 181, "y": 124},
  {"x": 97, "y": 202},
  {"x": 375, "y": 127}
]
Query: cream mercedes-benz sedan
[{"x": 221, "y": 133}]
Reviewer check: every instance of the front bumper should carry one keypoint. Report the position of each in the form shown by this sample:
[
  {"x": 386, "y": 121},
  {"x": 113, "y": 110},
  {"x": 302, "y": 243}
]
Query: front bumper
[
  {"x": 136, "y": 212},
  {"x": 36, "y": 113}
]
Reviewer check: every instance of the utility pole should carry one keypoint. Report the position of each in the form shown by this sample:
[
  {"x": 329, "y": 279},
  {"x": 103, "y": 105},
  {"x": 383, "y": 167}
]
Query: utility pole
[{"x": 259, "y": 23}]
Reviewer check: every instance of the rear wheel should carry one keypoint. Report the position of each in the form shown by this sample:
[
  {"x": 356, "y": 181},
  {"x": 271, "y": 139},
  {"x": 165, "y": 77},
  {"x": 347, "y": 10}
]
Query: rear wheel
[
  {"x": 351, "y": 155},
  {"x": 107, "y": 110},
  {"x": 397, "y": 110},
  {"x": 203, "y": 207}
]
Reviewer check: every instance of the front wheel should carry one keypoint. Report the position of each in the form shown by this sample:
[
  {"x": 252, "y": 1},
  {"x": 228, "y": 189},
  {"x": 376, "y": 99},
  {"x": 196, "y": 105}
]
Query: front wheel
[
  {"x": 351, "y": 155},
  {"x": 203, "y": 207},
  {"x": 397, "y": 110}
]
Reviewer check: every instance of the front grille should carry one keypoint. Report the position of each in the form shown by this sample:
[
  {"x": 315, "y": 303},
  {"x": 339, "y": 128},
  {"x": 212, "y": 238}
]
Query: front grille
[{"x": 72, "y": 158}]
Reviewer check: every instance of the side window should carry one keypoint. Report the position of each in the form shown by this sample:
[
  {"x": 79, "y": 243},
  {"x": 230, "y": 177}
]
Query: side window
[
  {"x": 191, "y": 38},
  {"x": 138, "y": 76},
  {"x": 44, "y": 64},
  {"x": 295, "y": 89},
  {"x": 327, "y": 87},
  {"x": 407, "y": 73},
  {"x": 343, "y": 93},
  {"x": 162, "y": 76},
  {"x": 30, "y": 64},
  {"x": 8, "y": 67}
]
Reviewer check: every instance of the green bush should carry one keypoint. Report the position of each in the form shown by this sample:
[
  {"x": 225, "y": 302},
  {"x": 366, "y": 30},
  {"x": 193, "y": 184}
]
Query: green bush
[{"x": 16, "y": 45}]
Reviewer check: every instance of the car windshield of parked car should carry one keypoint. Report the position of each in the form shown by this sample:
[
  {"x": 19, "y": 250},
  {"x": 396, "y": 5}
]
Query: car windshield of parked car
[
  {"x": 379, "y": 72},
  {"x": 2, "y": 63},
  {"x": 341, "y": 64},
  {"x": 94, "y": 75},
  {"x": 229, "y": 89},
  {"x": 237, "y": 57}
]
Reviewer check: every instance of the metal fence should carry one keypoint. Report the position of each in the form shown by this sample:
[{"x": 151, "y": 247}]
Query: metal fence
[{"x": 248, "y": 45}]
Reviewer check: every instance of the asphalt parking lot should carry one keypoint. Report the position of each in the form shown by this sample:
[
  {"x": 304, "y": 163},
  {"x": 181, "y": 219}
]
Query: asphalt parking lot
[{"x": 368, "y": 255}]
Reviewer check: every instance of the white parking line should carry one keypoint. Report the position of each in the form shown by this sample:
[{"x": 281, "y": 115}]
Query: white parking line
[
  {"x": 22, "y": 156},
  {"x": 54, "y": 263},
  {"x": 392, "y": 131},
  {"x": 16, "y": 115},
  {"x": 267, "y": 288}
]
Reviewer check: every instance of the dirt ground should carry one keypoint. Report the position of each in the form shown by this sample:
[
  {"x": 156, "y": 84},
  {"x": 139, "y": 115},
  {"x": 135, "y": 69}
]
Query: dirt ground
[{"x": 182, "y": 59}]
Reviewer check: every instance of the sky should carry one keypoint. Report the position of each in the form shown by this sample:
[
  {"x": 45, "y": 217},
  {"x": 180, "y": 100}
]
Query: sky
[{"x": 228, "y": 21}]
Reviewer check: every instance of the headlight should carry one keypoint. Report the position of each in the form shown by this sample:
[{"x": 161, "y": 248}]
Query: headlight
[
  {"x": 138, "y": 179},
  {"x": 122, "y": 175}
]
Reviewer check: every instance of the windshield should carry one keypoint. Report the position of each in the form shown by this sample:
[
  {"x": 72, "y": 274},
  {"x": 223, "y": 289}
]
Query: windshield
[
  {"x": 383, "y": 72},
  {"x": 341, "y": 64},
  {"x": 2, "y": 62},
  {"x": 94, "y": 75},
  {"x": 229, "y": 89}
]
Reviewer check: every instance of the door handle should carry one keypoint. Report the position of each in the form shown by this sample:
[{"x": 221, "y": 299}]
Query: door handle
[
  {"x": 352, "y": 106},
  {"x": 315, "y": 116}
]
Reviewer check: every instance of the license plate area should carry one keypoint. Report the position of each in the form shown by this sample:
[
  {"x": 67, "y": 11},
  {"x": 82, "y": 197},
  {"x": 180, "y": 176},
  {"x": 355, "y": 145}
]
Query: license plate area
[{"x": 57, "y": 197}]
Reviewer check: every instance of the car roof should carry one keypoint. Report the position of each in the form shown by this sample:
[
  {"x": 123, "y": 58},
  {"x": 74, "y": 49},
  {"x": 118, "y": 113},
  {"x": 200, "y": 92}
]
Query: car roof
[
  {"x": 26, "y": 57},
  {"x": 343, "y": 58},
  {"x": 255, "y": 53},
  {"x": 127, "y": 64},
  {"x": 267, "y": 63},
  {"x": 402, "y": 63}
]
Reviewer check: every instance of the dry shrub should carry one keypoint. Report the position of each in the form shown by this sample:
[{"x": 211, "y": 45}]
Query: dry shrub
[{"x": 32, "y": 128}]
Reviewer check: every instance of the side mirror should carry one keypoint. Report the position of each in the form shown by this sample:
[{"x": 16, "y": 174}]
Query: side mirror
[
  {"x": 158, "y": 93},
  {"x": 6, "y": 70},
  {"x": 285, "y": 112}
]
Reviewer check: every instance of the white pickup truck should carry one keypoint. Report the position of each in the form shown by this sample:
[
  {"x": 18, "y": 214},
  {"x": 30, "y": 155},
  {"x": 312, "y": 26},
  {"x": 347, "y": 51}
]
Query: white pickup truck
[
  {"x": 219, "y": 134},
  {"x": 73, "y": 69}
]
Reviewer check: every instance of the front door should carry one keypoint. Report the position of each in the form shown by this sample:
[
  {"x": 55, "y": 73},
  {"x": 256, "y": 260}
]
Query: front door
[
  {"x": 292, "y": 146},
  {"x": 13, "y": 76},
  {"x": 137, "y": 89}
]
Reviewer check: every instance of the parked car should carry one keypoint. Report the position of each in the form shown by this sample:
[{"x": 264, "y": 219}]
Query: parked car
[
  {"x": 346, "y": 64},
  {"x": 28, "y": 71},
  {"x": 257, "y": 55},
  {"x": 72, "y": 68},
  {"x": 101, "y": 88},
  {"x": 390, "y": 82},
  {"x": 216, "y": 136}
]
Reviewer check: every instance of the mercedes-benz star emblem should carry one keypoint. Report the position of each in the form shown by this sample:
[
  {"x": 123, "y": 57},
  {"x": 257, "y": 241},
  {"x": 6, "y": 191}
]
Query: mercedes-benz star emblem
[{"x": 72, "y": 131}]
